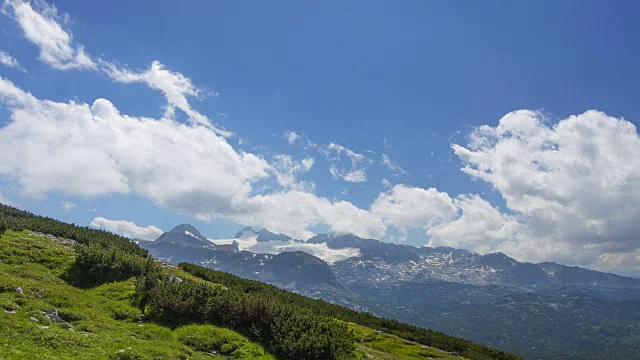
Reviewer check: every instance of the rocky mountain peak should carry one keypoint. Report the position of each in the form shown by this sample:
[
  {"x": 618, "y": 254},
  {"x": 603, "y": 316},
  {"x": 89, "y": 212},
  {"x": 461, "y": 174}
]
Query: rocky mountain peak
[
  {"x": 265, "y": 235},
  {"x": 184, "y": 234},
  {"x": 246, "y": 232}
]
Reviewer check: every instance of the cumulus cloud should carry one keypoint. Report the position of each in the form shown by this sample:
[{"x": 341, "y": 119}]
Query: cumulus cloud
[
  {"x": 94, "y": 150},
  {"x": 10, "y": 61},
  {"x": 480, "y": 227},
  {"x": 411, "y": 207},
  {"x": 41, "y": 26},
  {"x": 295, "y": 212},
  {"x": 575, "y": 184},
  {"x": 127, "y": 228}
]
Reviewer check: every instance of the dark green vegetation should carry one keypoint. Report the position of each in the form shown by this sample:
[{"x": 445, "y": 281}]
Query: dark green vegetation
[
  {"x": 95, "y": 284},
  {"x": 413, "y": 333},
  {"x": 289, "y": 330}
]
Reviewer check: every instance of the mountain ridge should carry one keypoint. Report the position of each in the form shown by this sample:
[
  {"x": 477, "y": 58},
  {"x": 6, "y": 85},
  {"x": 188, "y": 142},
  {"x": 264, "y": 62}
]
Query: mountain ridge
[
  {"x": 225, "y": 315},
  {"x": 494, "y": 268},
  {"x": 452, "y": 290}
]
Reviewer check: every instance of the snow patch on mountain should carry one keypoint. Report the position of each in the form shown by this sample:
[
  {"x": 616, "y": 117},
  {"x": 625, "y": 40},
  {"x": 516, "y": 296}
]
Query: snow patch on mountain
[{"x": 249, "y": 242}]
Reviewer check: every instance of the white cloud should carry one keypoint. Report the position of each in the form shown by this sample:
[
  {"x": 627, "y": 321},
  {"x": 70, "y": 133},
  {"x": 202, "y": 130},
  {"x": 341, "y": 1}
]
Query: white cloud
[
  {"x": 291, "y": 137},
  {"x": 480, "y": 227},
  {"x": 174, "y": 86},
  {"x": 95, "y": 150},
  {"x": 287, "y": 169},
  {"x": 294, "y": 212},
  {"x": 41, "y": 27},
  {"x": 614, "y": 261},
  {"x": 68, "y": 205},
  {"x": 355, "y": 176},
  {"x": 573, "y": 187},
  {"x": 575, "y": 184},
  {"x": 335, "y": 173},
  {"x": 342, "y": 150},
  {"x": 410, "y": 207},
  {"x": 397, "y": 170},
  {"x": 127, "y": 228},
  {"x": 346, "y": 164},
  {"x": 10, "y": 61}
]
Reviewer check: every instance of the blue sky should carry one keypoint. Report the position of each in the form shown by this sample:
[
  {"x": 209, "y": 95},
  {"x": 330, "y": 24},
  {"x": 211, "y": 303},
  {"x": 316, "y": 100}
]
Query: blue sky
[{"x": 378, "y": 80}]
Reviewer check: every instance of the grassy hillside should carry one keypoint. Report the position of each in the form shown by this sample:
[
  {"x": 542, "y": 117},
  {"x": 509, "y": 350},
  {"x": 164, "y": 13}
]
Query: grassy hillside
[
  {"x": 115, "y": 302},
  {"x": 97, "y": 323}
]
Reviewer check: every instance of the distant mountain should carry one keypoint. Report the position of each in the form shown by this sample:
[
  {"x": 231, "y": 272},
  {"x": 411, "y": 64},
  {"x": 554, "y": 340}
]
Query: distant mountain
[
  {"x": 184, "y": 234},
  {"x": 292, "y": 270},
  {"x": 492, "y": 299},
  {"x": 200, "y": 313},
  {"x": 302, "y": 271},
  {"x": 263, "y": 235},
  {"x": 246, "y": 233},
  {"x": 380, "y": 261},
  {"x": 573, "y": 275}
]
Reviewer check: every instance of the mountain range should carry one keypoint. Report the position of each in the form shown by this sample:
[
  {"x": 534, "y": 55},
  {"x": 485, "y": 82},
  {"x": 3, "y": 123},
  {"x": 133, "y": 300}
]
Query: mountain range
[
  {"x": 492, "y": 299},
  {"x": 71, "y": 292}
]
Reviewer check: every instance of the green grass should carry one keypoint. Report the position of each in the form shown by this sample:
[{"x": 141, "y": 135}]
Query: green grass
[
  {"x": 381, "y": 346},
  {"x": 105, "y": 323},
  {"x": 223, "y": 341},
  {"x": 107, "y": 326}
]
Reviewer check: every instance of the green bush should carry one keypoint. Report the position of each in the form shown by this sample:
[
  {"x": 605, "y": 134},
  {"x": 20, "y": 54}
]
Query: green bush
[{"x": 287, "y": 330}]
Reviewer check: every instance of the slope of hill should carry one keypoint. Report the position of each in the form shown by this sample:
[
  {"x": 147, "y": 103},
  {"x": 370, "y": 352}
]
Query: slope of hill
[
  {"x": 80, "y": 293},
  {"x": 45, "y": 317}
]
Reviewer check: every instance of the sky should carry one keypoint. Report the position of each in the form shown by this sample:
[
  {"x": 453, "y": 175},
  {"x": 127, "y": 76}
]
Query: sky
[{"x": 491, "y": 126}]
